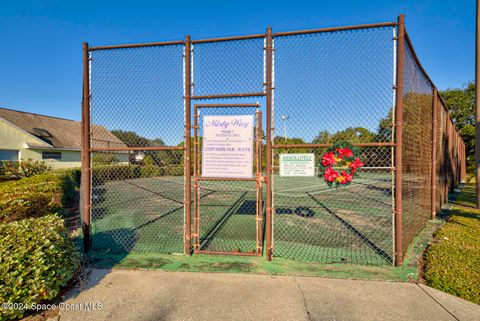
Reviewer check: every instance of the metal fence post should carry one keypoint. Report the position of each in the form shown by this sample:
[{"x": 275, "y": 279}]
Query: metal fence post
[
  {"x": 188, "y": 188},
  {"x": 268, "y": 89},
  {"x": 398, "y": 141},
  {"x": 85, "y": 127},
  {"x": 434, "y": 154}
]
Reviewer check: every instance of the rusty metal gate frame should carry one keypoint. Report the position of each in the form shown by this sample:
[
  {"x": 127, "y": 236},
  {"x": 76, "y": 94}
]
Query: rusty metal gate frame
[
  {"x": 197, "y": 179},
  {"x": 267, "y": 93}
]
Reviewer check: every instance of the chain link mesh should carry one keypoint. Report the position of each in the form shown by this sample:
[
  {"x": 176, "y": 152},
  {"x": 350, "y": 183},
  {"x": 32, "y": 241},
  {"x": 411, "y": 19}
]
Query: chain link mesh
[
  {"x": 334, "y": 83},
  {"x": 443, "y": 163},
  {"x": 137, "y": 90},
  {"x": 416, "y": 147},
  {"x": 228, "y": 218},
  {"x": 137, "y": 195},
  {"x": 228, "y": 67},
  {"x": 352, "y": 224},
  {"x": 333, "y": 87},
  {"x": 328, "y": 87}
]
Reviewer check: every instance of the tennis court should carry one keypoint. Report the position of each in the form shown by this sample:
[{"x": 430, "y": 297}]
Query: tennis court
[
  {"x": 175, "y": 178},
  {"x": 312, "y": 222}
]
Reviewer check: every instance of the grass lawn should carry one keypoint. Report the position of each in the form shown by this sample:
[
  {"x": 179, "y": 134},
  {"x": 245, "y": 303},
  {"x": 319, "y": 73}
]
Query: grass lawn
[{"x": 452, "y": 262}]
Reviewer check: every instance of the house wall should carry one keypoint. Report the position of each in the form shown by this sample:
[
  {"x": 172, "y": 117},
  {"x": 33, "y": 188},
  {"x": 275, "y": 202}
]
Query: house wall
[
  {"x": 69, "y": 158},
  {"x": 12, "y": 138}
]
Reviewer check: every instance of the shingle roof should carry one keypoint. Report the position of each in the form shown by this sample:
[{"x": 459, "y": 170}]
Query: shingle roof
[{"x": 57, "y": 132}]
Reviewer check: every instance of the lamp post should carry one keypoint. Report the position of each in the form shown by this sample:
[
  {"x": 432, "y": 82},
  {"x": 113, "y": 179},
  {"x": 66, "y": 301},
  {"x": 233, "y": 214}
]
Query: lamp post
[{"x": 285, "y": 118}]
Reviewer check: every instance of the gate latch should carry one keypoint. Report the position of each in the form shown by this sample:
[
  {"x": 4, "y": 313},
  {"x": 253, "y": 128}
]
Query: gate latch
[{"x": 260, "y": 179}]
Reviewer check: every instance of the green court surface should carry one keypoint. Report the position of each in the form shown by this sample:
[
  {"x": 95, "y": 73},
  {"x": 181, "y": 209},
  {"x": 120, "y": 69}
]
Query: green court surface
[
  {"x": 104, "y": 258},
  {"x": 312, "y": 222}
]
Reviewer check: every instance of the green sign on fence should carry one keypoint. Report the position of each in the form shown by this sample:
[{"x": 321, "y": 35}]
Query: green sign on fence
[{"x": 297, "y": 164}]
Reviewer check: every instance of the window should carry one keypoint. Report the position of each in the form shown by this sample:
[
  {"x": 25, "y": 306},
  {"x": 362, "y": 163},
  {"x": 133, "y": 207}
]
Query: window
[
  {"x": 51, "y": 155},
  {"x": 8, "y": 155}
]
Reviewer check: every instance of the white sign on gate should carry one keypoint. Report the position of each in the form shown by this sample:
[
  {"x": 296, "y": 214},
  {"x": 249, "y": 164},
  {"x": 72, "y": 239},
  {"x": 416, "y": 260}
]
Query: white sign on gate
[
  {"x": 297, "y": 164},
  {"x": 227, "y": 146}
]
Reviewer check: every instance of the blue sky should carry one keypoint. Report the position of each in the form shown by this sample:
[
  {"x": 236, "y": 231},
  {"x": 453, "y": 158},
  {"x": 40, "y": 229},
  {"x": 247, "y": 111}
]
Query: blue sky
[{"x": 40, "y": 60}]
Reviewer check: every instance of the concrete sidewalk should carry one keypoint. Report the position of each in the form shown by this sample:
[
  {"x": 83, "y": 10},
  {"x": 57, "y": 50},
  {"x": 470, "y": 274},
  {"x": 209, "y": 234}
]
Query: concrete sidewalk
[{"x": 159, "y": 295}]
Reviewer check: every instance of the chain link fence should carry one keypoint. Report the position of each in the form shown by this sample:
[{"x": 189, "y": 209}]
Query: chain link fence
[
  {"x": 417, "y": 147},
  {"x": 335, "y": 87},
  {"x": 137, "y": 168},
  {"x": 143, "y": 112}
]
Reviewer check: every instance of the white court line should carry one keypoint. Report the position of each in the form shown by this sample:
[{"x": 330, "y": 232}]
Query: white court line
[
  {"x": 359, "y": 180},
  {"x": 319, "y": 192}
]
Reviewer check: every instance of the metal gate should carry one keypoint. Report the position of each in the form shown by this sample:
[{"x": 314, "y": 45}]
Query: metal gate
[
  {"x": 143, "y": 186},
  {"x": 228, "y": 211}
]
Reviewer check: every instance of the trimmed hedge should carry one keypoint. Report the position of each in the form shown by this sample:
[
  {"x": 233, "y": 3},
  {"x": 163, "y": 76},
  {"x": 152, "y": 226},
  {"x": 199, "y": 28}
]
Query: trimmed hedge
[
  {"x": 38, "y": 195},
  {"x": 37, "y": 258},
  {"x": 105, "y": 173}
]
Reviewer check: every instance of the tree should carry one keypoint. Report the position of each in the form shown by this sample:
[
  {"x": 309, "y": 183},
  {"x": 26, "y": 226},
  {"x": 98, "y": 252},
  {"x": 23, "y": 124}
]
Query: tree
[
  {"x": 163, "y": 158},
  {"x": 461, "y": 103},
  {"x": 132, "y": 139},
  {"x": 351, "y": 134}
]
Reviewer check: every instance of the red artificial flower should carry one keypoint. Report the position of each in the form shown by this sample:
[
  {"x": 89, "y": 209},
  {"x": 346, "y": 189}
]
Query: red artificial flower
[
  {"x": 345, "y": 152},
  {"x": 330, "y": 175},
  {"x": 328, "y": 159},
  {"x": 348, "y": 177},
  {"x": 342, "y": 179},
  {"x": 357, "y": 163}
]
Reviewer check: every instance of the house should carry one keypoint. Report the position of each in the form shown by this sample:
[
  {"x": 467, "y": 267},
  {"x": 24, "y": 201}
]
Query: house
[{"x": 54, "y": 140}]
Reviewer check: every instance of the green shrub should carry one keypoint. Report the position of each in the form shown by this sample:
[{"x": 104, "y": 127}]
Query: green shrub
[
  {"x": 150, "y": 171},
  {"x": 25, "y": 168},
  {"x": 105, "y": 158},
  {"x": 174, "y": 170},
  {"x": 37, "y": 258},
  {"x": 29, "y": 168},
  {"x": 70, "y": 184},
  {"x": 37, "y": 195},
  {"x": 105, "y": 173},
  {"x": 9, "y": 170}
]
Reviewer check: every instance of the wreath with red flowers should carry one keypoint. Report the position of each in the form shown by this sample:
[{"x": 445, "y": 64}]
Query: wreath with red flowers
[{"x": 340, "y": 164}]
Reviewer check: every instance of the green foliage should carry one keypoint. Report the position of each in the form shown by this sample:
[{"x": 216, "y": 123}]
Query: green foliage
[
  {"x": 453, "y": 259},
  {"x": 132, "y": 139},
  {"x": 29, "y": 168},
  {"x": 25, "y": 168},
  {"x": 9, "y": 170},
  {"x": 352, "y": 135},
  {"x": 174, "y": 171},
  {"x": 161, "y": 158},
  {"x": 104, "y": 158},
  {"x": 104, "y": 173},
  {"x": 37, "y": 195},
  {"x": 148, "y": 160},
  {"x": 37, "y": 258},
  {"x": 150, "y": 171},
  {"x": 461, "y": 103},
  {"x": 70, "y": 183}
]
